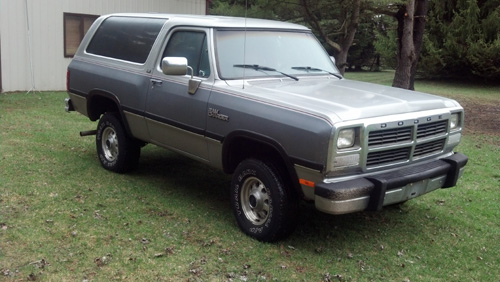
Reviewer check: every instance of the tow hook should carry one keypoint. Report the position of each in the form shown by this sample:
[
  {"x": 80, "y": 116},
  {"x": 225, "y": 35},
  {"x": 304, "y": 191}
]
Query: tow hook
[{"x": 88, "y": 133}]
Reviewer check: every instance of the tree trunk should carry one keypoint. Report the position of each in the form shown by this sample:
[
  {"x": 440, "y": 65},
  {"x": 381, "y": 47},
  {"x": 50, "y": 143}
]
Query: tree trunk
[
  {"x": 418, "y": 36},
  {"x": 406, "y": 48},
  {"x": 348, "y": 38},
  {"x": 411, "y": 26}
]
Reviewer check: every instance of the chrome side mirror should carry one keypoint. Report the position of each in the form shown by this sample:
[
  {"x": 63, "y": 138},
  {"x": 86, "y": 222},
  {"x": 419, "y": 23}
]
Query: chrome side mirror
[
  {"x": 179, "y": 66},
  {"x": 174, "y": 65}
]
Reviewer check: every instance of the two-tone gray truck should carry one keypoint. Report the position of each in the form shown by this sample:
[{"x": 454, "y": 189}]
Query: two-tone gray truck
[{"x": 263, "y": 101}]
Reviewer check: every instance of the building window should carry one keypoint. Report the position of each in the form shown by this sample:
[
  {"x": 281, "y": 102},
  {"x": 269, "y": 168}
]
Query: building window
[{"x": 75, "y": 27}]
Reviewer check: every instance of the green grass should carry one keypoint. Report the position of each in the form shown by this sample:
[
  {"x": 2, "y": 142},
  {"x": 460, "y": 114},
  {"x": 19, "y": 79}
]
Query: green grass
[
  {"x": 448, "y": 88},
  {"x": 64, "y": 218}
]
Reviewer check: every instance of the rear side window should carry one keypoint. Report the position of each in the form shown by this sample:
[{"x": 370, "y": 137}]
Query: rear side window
[{"x": 125, "y": 38}]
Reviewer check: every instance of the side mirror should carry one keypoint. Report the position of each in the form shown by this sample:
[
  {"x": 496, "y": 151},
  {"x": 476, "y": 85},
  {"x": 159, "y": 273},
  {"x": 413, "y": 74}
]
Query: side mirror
[
  {"x": 179, "y": 66},
  {"x": 174, "y": 65}
]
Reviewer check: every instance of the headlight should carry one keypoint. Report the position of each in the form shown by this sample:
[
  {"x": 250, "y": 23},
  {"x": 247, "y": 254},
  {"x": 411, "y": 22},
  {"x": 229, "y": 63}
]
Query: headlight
[
  {"x": 346, "y": 138},
  {"x": 454, "y": 121}
]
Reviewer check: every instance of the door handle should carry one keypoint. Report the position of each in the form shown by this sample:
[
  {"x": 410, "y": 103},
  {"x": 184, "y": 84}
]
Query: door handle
[{"x": 156, "y": 82}]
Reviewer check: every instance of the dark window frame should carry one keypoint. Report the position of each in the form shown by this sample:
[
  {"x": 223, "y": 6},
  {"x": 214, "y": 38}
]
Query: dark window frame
[
  {"x": 82, "y": 31},
  {"x": 200, "y": 59}
]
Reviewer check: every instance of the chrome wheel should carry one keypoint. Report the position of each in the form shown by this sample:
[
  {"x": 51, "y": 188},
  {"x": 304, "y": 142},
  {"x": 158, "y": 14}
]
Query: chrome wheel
[
  {"x": 255, "y": 200},
  {"x": 109, "y": 143}
]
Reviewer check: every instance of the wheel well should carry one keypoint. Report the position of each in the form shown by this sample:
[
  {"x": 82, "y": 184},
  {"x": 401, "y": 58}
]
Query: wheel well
[
  {"x": 241, "y": 148},
  {"x": 99, "y": 103}
]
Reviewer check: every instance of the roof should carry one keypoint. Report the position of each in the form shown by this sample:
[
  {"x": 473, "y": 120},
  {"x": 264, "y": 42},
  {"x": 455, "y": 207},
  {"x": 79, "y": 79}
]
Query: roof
[{"x": 216, "y": 21}]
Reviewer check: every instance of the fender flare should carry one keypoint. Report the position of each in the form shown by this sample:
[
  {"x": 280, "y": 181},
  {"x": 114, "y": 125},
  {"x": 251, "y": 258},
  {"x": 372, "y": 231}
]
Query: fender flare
[{"x": 229, "y": 163}]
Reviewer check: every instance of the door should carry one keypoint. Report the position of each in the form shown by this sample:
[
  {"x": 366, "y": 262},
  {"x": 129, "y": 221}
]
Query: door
[{"x": 175, "y": 118}]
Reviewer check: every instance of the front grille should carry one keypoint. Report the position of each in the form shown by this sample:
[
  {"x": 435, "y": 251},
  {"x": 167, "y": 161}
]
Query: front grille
[
  {"x": 405, "y": 143},
  {"x": 389, "y": 156},
  {"x": 389, "y": 136},
  {"x": 432, "y": 129},
  {"x": 429, "y": 148}
]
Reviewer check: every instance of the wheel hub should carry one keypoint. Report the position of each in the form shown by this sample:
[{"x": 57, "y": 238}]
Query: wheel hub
[
  {"x": 110, "y": 144},
  {"x": 255, "y": 200}
]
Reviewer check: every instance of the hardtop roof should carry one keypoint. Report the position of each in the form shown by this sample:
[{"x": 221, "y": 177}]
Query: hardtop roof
[{"x": 214, "y": 21}]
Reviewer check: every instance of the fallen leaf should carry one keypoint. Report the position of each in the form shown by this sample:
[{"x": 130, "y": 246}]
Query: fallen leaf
[
  {"x": 32, "y": 277},
  {"x": 169, "y": 250},
  {"x": 40, "y": 263}
]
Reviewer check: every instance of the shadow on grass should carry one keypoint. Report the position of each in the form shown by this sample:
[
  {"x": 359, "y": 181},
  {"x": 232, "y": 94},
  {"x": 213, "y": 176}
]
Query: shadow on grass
[{"x": 207, "y": 189}]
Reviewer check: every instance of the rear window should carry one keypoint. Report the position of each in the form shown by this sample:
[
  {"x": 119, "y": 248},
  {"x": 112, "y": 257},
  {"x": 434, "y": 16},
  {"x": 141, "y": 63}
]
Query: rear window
[{"x": 125, "y": 38}]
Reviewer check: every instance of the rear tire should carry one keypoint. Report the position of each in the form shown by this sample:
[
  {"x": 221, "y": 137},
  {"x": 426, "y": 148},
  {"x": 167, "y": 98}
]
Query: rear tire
[
  {"x": 265, "y": 208},
  {"x": 116, "y": 151}
]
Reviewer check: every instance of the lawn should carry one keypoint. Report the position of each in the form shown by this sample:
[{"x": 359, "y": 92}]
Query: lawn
[{"x": 64, "y": 218}]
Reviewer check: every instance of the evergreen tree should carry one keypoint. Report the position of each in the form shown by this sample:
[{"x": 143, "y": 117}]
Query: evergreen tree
[{"x": 463, "y": 39}]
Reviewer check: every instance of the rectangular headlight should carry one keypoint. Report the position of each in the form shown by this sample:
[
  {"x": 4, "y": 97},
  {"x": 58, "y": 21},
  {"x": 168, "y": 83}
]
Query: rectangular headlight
[
  {"x": 346, "y": 138},
  {"x": 454, "y": 121}
]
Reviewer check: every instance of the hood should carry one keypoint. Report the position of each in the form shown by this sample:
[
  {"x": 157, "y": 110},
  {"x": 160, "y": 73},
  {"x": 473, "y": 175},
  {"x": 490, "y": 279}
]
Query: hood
[{"x": 343, "y": 100}]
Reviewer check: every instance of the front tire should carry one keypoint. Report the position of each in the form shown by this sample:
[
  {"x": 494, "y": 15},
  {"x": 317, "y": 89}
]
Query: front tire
[
  {"x": 116, "y": 151},
  {"x": 265, "y": 208}
]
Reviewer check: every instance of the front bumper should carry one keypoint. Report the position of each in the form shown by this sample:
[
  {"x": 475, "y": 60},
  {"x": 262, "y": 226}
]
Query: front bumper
[{"x": 373, "y": 192}]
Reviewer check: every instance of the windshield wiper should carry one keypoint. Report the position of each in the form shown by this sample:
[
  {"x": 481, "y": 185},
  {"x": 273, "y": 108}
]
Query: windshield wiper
[
  {"x": 308, "y": 69},
  {"x": 263, "y": 68}
]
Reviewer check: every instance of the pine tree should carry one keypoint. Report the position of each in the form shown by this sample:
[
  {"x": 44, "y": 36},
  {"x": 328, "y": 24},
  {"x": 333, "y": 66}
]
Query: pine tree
[{"x": 463, "y": 39}]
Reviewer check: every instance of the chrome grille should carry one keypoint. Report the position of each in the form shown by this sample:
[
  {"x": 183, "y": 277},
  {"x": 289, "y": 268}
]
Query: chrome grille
[
  {"x": 405, "y": 143},
  {"x": 389, "y": 136},
  {"x": 429, "y": 148},
  {"x": 432, "y": 129},
  {"x": 389, "y": 156}
]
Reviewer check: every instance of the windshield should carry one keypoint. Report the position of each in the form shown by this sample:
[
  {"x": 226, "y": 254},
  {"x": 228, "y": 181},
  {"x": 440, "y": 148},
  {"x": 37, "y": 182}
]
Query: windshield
[{"x": 270, "y": 53}]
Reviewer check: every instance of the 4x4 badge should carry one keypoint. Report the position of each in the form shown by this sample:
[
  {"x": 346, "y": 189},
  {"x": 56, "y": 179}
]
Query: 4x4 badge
[{"x": 214, "y": 113}]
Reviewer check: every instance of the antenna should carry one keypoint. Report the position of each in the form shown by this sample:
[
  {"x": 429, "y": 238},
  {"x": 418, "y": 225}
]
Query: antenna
[
  {"x": 245, "y": 43},
  {"x": 30, "y": 53}
]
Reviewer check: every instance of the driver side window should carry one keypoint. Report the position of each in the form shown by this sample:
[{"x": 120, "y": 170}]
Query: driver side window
[{"x": 191, "y": 45}]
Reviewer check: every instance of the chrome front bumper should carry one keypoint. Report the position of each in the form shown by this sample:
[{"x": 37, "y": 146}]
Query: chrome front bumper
[{"x": 374, "y": 192}]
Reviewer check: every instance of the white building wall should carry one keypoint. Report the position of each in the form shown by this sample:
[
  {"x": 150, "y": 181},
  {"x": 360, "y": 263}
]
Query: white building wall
[{"x": 46, "y": 28}]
